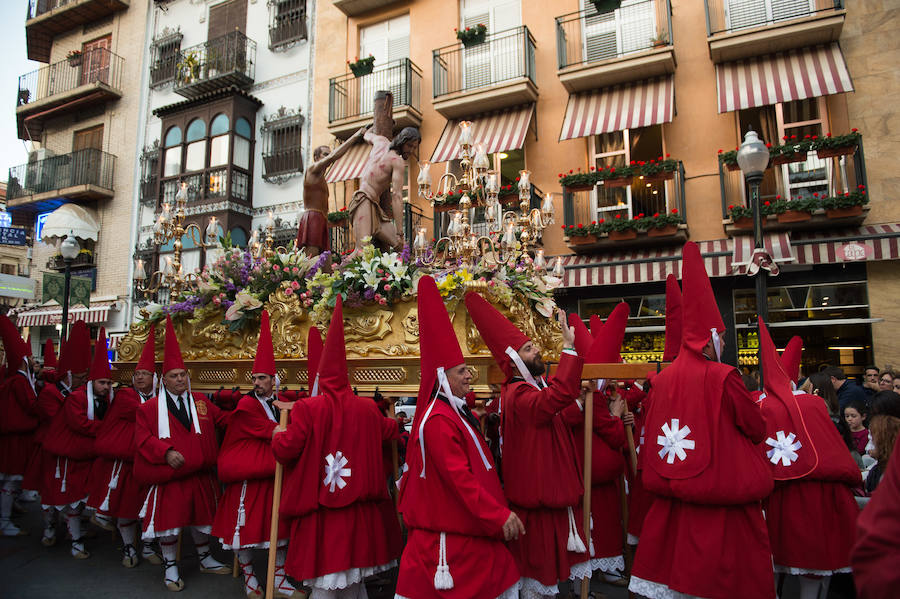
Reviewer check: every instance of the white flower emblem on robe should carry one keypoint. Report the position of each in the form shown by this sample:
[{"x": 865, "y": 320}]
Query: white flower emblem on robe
[
  {"x": 674, "y": 441},
  {"x": 784, "y": 449},
  {"x": 335, "y": 471}
]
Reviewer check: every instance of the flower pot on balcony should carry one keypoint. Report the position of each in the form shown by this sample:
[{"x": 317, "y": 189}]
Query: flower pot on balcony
[
  {"x": 361, "y": 69},
  {"x": 338, "y": 224},
  {"x": 832, "y": 152},
  {"x": 509, "y": 199},
  {"x": 732, "y": 167},
  {"x": 843, "y": 212},
  {"x": 582, "y": 239},
  {"x": 74, "y": 61},
  {"x": 667, "y": 231},
  {"x": 576, "y": 188},
  {"x": 622, "y": 235},
  {"x": 474, "y": 40},
  {"x": 619, "y": 182},
  {"x": 788, "y": 158},
  {"x": 660, "y": 176},
  {"x": 446, "y": 207},
  {"x": 744, "y": 222},
  {"x": 794, "y": 216}
]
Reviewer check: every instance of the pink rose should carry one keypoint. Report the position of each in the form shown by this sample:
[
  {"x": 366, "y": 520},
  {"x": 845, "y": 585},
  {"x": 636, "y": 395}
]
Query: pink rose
[
  {"x": 295, "y": 285},
  {"x": 289, "y": 291}
]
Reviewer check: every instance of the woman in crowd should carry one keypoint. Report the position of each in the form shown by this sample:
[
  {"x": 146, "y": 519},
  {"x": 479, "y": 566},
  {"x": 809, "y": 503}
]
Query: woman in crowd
[
  {"x": 821, "y": 386},
  {"x": 855, "y": 416},
  {"x": 884, "y": 424},
  {"x": 886, "y": 380}
]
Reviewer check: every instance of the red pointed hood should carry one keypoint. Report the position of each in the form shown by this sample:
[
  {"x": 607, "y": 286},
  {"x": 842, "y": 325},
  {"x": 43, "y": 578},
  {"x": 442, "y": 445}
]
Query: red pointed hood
[
  {"x": 172, "y": 359},
  {"x": 100, "y": 365},
  {"x": 28, "y": 346},
  {"x": 783, "y": 417},
  {"x": 13, "y": 345},
  {"x": 790, "y": 358},
  {"x": 313, "y": 357},
  {"x": 148, "y": 355},
  {"x": 78, "y": 348},
  {"x": 49, "y": 355},
  {"x": 264, "y": 363},
  {"x": 673, "y": 319},
  {"x": 583, "y": 338},
  {"x": 333, "y": 365},
  {"x": 607, "y": 344},
  {"x": 497, "y": 332},
  {"x": 596, "y": 325},
  {"x": 701, "y": 314}
]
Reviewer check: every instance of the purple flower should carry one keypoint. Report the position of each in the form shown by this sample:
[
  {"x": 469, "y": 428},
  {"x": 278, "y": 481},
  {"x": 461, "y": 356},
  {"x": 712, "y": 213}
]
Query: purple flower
[
  {"x": 369, "y": 294},
  {"x": 405, "y": 254}
]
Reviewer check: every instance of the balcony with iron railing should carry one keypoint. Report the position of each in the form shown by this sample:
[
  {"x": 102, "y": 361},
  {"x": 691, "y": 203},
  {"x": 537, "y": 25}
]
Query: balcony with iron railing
[
  {"x": 742, "y": 28},
  {"x": 45, "y": 19},
  {"x": 813, "y": 178},
  {"x": 351, "y": 99},
  {"x": 597, "y": 49},
  {"x": 216, "y": 64},
  {"x": 67, "y": 87},
  {"x": 630, "y": 201},
  {"x": 353, "y": 8},
  {"x": 496, "y": 73},
  {"x": 211, "y": 185},
  {"x": 82, "y": 175}
]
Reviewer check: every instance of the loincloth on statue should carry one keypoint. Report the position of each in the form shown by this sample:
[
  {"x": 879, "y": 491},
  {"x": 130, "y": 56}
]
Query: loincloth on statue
[
  {"x": 312, "y": 230},
  {"x": 381, "y": 210}
]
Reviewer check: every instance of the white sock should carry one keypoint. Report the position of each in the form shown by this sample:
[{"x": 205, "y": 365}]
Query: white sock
[
  {"x": 201, "y": 543},
  {"x": 127, "y": 530},
  {"x": 73, "y": 522},
  {"x": 168, "y": 547},
  {"x": 245, "y": 561},
  {"x": 7, "y": 497},
  {"x": 49, "y": 514}
]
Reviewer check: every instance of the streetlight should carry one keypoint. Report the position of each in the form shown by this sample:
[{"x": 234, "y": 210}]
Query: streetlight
[
  {"x": 753, "y": 158},
  {"x": 69, "y": 249}
]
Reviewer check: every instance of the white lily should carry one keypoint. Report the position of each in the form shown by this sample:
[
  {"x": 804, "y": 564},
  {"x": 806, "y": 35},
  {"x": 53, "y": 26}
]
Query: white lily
[{"x": 242, "y": 301}]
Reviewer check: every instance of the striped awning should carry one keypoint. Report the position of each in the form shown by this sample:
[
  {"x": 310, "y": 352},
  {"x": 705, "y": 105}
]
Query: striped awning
[
  {"x": 499, "y": 131},
  {"x": 782, "y": 77},
  {"x": 625, "y": 106},
  {"x": 350, "y": 165},
  {"x": 778, "y": 246},
  {"x": 642, "y": 266},
  {"x": 52, "y": 315},
  {"x": 866, "y": 243}
]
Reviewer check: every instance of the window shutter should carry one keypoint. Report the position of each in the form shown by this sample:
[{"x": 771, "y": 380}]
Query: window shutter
[
  {"x": 789, "y": 9},
  {"x": 637, "y": 25},
  {"x": 226, "y": 17},
  {"x": 745, "y": 13}
]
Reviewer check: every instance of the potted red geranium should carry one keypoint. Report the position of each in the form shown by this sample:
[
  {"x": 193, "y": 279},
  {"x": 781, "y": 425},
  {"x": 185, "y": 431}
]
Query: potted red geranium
[
  {"x": 795, "y": 210},
  {"x": 338, "y": 218},
  {"x": 741, "y": 216},
  {"x": 580, "y": 234},
  {"x": 848, "y": 205},
  {"x": 622, "y": 228},
  {"x": 837, "y": 145},
  {"x": 660, "y": 224}
]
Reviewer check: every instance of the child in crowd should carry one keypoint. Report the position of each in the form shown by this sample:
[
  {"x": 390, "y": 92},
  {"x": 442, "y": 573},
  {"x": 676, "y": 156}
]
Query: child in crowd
[{"x": 854, "y": 416}]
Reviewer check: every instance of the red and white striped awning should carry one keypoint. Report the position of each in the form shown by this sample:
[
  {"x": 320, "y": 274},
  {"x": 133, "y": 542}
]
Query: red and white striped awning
[
  {"x": 499, "y": 131},
  {"x": 350, "y": 165},
  {"x": 625, "y": 106},
  {"x": 778, "y": 246},
  {"x": 782, "y": 77},
  {"x": 642, "y": 266},
  {"x": 867, "y": 243},
  {"x": 52, "y": 315}
]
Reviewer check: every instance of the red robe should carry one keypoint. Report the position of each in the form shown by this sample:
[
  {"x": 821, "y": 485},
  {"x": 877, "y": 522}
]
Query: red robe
[
  {"x": 356, "y": 522},
  {"x": 70, "y": 448},
  {"x": 812, "y": 520},
  {"x": 704, "y": 534},
  {"x": 186, "y": 496},
  {"x": 18, "y": 422},
  {"x": 49, "y": 402},
  {"x": 247, "y": 468},
  {"x": 639, "y": 499},
  {"x": 113, "y": 490},
  {"x": 542, "y": 480},
  {"x": 877, "y": 550},
  {"x": 462, "y": 499}
]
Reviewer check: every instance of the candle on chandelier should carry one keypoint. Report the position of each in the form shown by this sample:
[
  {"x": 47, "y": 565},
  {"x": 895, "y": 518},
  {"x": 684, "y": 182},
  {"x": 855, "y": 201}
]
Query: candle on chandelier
[
  {"x": 481, "y": 162},
  {"x": 168, "y": 269},
  {"x": 509, "y": 238},
  {"x": 424, "y": 177},
  {"x": 558, "y": 268},
  {"x": 491, "y": 184},
  {"x": 211, "y": 229},
  {"x": 465, "y": 133},
  {"x": 539, "y": 262},
  {"x": 524, "y": 180},
  {"x": 420, "y": 243},
  {"x": 270, "y": 220}
]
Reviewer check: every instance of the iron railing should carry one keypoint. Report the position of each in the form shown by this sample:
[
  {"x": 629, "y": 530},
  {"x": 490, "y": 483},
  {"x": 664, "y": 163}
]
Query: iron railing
[
  {"x": 209, "y": 184},
  {"x": 587, "y": 36},
  {"x": 413, "y": 219},
  {"x": 216, "y": 63},
  {"x": 641, "y": 197},
  {"x": 797, "y": 180},
  {"x": 350, "y": 96},
  {"x": 725, "y": 16},
  {"x": 93, "y": 66},
  {"x": 282, "y": 161},
  {"x": 83, "y": 167},
  {"x": 287, "y": 22},
  {"x": 501, "y": 57}
]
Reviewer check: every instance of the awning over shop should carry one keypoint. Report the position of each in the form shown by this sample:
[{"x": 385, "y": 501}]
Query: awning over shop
[
  {"x": 867, "y": 243},
  {"x": 782, "y": 77},
  {"x": 778, "y": 246},
  {"x": 51, "y": 315},
  {"x": 350, "y": 165},
  {"x": 499, "y": 131},
  {"x": 71, "y": 219},
  {"x": 625, "y": 106},
  {"x": 642, "y": 266}
]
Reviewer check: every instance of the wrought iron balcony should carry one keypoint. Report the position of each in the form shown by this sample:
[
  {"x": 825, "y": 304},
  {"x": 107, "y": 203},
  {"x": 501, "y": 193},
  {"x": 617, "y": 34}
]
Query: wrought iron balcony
[
  {"x": 216, "y": 64},
  {"x": 350, "y": 99},
  {"x": 67, "y": 87},
  {"x": 86, "y": 174},
  {"x": 45, "y": 19}
]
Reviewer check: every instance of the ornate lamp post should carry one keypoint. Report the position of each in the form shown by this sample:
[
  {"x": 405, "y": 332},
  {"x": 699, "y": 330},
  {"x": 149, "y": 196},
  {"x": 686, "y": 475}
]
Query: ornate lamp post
[
  {"x": 753, "y": 158},
  {"x": 69, "y": 249}
]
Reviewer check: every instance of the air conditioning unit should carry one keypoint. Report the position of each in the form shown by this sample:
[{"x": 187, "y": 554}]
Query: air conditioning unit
[
  {"x": 39, "y": 172},
  {"x": 39, "y": 154}
]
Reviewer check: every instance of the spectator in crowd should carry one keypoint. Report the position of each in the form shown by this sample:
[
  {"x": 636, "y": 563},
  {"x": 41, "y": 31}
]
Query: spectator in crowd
[
  {"x": 870, "y": 380},
  {"x": 821, "y": 386},
  {"x": 854, "y": 415},
  {"x": 751, "y": 383},
  {"x": 886, "y": 380},
  {"x": 896, "y": 385},
  {"x": 846, "y": 390},
  {"x": 884, "y": 425}
]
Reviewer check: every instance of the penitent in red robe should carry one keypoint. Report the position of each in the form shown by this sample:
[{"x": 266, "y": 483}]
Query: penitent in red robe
[
  {"x": 18, "y": 422},
  {"x": 460, "y": 498},
  {"x": 542, "y": 480},
  {"x": 186, "y": 496},
  {"x": 49, "y": 402},
  {"x": 247, "y": 468},
  {"x": 113, "y": 489}
]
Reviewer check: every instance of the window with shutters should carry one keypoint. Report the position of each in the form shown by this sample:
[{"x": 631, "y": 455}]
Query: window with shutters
[
  {"x": 164, "y": 57},
  {"x": 226, "y": 17},
  {"x": 287, "y": 23},
  {"x": 95, "y": 60},
  {"x": 281, "y": 137},
  {"x": 387, "y": 41},
  {"x": 627, "y": 29},
  {"x": 740, "y": 14},
  {"x": 502, "y": 56}
]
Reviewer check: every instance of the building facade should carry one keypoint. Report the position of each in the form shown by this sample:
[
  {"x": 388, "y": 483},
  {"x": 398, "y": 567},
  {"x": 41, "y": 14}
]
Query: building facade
[{"x": 564, "y": 87}]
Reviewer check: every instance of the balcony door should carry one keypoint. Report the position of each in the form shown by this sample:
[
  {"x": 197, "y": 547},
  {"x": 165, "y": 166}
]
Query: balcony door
[
  {"x": 750, "y": 13},
  {"x": 388, "y": 42},
  {"x": 85, "y": 164},
  {"x": 95, "y": 60},
  {"x": 618, "y": 32},
  {"x": 500, "y": 58}
]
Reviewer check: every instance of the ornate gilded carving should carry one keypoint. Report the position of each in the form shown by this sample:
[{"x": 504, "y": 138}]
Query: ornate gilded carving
[
  {"x": 367, "y": 326},
  {"x": 410, "y": 324}
]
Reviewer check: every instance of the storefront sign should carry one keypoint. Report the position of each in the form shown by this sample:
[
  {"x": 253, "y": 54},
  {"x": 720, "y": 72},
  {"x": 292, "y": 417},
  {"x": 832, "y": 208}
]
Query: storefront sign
[
  {"x": 13, "y": 286},
  {"x": 854, "y": 252},
  {"x": 5, "y": 219},
  {"x": 13, "y": 236}
]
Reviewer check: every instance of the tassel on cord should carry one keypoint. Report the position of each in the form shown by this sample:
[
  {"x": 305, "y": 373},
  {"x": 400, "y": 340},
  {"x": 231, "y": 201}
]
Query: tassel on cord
[
  {"x": 574, "y": 542},
  {"x": 113, "y": 483},
  {"x": 62, "y": 488},
  {"x": 442, "y": 578}
]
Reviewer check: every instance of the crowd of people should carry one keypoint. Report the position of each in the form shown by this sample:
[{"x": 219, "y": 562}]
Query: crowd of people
[{"x": 698, "y": 485}]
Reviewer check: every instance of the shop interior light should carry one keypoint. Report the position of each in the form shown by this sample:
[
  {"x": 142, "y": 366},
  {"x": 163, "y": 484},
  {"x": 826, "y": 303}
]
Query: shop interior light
[
  {"x": 502, "y": 155},
  {"x": 845, "y": 347}
]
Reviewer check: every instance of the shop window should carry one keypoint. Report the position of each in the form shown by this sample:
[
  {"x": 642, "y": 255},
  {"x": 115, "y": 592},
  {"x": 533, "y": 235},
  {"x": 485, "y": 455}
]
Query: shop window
[
  {"x": 287, "y": 23},
  {"x": 645, "y": 337},
  {"x": 281, "y": 137},
  {"x": 164, "y": 57}
]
